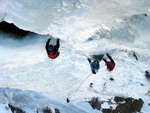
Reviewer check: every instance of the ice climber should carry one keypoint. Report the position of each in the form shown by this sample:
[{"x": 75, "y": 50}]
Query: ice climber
[
  {"x": 94, "y": 65},
  {"x": 52, "y": 50},
  {"x": 110, "y": 64}
]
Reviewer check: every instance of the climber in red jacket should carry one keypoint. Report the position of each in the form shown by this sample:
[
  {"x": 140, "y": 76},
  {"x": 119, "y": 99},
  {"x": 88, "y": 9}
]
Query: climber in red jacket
[
  {"x": 52, "y": 50},
  {"x": 110, "y": 64}
]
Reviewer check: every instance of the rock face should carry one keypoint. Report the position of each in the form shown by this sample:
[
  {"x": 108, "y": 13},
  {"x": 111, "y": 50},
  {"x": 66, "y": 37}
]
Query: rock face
[
  {"x": 47, "y": 110},
  {"x": 129, "y": 105},
  {"x": 56, "y": 110},
  {"x": 124, "y": 105},
  {"x": 12, "y": 30},
  {"x": 95, "y": 103},
  {"x": 44, "y": 110},
  {"x": 15, "y": 109}
]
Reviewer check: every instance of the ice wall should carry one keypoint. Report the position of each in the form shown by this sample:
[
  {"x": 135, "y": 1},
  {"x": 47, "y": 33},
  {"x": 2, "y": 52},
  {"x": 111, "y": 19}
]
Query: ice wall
[{"x": 67, "y": 18}]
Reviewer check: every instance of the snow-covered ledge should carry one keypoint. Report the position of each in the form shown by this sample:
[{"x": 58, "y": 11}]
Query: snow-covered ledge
[{"x": 65, "y": 18}]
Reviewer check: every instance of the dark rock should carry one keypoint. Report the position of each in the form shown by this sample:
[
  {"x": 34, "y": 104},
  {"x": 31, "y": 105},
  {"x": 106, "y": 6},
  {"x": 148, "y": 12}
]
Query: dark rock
[
  {"x": 10, "y": 28},
  {"x": 145, "y": 14},
  {"x": 12, "y": 108},
  {"x": 91, "y": 85},
  {"x": 134, "y": 54},
  {"x": 110, "y": 102},
  {"x": 147, "y": 74},
  {"x": 37, "y": 111},
  {"x": 68, "y": 100},
  {"x": 56, "y": 110},
  {"x": 107, "y": 110},
  {"x": 118, "y": 99},
  {"x": 112, "y": 79},
  {"x": 15, "y": 109},
  {"x": 47, "y": 110},
  {"x": 90, "y": 39},
  {"x": 130, "y": 106},
  {"x": 19, "y": 110},
  {"x": 142, "y": 84},
  {"x": 128, "y": 100},
  {"x": 95, "y": 103},
  {"x": 125, "y": 105}
]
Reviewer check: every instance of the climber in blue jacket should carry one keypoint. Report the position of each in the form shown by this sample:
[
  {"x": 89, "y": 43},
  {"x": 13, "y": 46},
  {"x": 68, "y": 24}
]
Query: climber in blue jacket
[{"x": 94, "y": 65}]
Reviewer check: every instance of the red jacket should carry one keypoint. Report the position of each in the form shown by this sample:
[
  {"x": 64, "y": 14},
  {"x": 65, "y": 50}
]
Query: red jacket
[
  {"x": 52, "y": 55},
  {"x": 110, "y": 65}
]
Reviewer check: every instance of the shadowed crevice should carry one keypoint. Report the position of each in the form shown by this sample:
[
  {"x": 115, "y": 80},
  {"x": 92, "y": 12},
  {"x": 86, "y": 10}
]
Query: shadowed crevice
[{"x": 10, "y": 28}]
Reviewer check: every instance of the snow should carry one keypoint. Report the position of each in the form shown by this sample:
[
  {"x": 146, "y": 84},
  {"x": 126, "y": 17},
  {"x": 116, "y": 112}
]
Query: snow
[
  {"x": 25, "y": 65},
  {"x": 29, "y": 79},
  {"x": 66, "y": 18}
]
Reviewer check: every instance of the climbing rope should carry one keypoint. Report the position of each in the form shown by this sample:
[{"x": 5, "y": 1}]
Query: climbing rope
[{"x": 83, "y": 82}]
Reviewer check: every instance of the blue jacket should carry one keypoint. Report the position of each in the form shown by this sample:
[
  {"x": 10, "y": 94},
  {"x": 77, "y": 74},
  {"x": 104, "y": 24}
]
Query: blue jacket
[{"x": 95, "y": 67}]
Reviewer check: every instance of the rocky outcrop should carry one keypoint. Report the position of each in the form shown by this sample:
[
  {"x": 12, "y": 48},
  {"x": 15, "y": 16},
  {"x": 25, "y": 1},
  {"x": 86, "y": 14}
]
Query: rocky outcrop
[
  {"x": 15, "y": 109},
  {"x": 56, "y": 110},
  {"x": 47, "y": 110},
  {"x": 44, "y": 110},
  {"x": 128, "y": 105},
  {"x": 123, "y": 105},
  {"x": 95, "y": 103}
]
